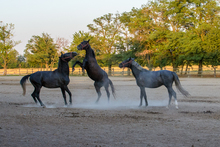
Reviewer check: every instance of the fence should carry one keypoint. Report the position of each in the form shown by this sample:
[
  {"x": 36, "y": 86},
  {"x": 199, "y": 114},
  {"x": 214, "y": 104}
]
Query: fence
[{"x": 116, "y": 71}]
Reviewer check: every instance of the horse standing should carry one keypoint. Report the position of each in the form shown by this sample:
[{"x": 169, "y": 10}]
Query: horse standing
[
  {"x": 153, "y": 79},
  {"x": 94, "y": 71},
  {"x": 58, "y": 78}
]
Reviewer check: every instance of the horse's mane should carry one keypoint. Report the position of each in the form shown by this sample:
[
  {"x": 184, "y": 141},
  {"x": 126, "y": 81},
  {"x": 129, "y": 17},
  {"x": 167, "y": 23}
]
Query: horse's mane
[{"x": 137, "y": 65}]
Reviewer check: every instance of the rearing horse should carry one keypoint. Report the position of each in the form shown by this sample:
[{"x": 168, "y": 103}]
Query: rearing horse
[
  {"x": 153, "y": 79},
  {"x": 94, "y": 71}
]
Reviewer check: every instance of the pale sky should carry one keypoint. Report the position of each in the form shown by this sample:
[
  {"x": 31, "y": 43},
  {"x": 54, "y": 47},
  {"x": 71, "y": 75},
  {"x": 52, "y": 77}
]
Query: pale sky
[{"x": 58, "y": 18}]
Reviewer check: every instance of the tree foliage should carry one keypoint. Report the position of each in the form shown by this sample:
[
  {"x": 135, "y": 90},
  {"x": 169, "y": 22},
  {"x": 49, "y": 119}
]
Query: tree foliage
[
  {"x": 6, "y": 44},
  {"x": 160, "y": 33},
  {"x": 41, "y": 50}
]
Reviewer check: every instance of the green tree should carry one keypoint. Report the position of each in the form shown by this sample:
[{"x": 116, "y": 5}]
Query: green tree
[
  {"x": 6, "y": 44},
  {"x": 41, "y": 50},
  {"x": 204, "y": 12},
  {"x": 21, "y": 61},
  {"x": 78, "y": 37},
  {"x": 106, "y": 31},
  {"x": 13, "y": 56}
]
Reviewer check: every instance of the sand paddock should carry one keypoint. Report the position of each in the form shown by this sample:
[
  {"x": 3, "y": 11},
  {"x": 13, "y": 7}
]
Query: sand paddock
[{"x": 118, "y": 123}]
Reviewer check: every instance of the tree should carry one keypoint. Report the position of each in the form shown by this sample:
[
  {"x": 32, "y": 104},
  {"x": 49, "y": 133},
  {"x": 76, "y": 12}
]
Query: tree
[
  {"x": 41, "y": 50},
  {"x": 106, "y": 31},
  {"x": 62, "y": 44},
  {"x": 6, "y": 44},
  {"x": 78, "y": 37},
  {"x": 21, "y": 61},
  {"x": 205, "y": 13},
  {"x": 13, "y": 56}
]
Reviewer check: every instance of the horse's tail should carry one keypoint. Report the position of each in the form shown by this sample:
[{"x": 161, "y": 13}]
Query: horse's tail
[
  {"x": 179, "y": 86},
  {"x": 112, "y": 87},
  {"x": 23, "y": 83}
]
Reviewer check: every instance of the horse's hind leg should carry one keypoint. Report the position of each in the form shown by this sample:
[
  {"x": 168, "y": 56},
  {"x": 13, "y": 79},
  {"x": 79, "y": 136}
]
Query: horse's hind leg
[
  {"x": 36, "y": 94},
  {"x": 107, "y": 91},
  {"x": 172, "y": 93},
  {"x": 97, "y": 88},
  {"x": 70, "y": 95},
  {"x": 33, "y": 95}
]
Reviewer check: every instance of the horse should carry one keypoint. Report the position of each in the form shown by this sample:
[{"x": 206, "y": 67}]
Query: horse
[
  {"x": 94, "y": 71},
  {"x": 58, "y": 78},
  {"x": 153, "y": 79}
]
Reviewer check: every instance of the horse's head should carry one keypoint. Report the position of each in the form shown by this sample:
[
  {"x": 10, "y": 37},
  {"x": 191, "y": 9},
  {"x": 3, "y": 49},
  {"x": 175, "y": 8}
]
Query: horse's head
[
  {"x": 83, "y": 45},
  {"x": 68, "y": 56},
  {"x": 126, "y": 63}
]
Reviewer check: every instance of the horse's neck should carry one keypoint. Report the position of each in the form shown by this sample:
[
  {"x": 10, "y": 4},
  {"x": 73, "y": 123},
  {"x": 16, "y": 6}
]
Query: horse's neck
[
  {"x": 136, "y": 69},
  {"x": 90, "y": 52},
  {"x": 63, "y": 67}
]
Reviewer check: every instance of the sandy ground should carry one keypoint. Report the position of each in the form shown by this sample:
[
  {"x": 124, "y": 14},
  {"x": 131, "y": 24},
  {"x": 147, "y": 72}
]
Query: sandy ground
[{"x": 118, "y": 123}]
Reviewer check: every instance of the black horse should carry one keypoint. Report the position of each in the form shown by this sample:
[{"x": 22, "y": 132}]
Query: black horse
[
  {"x": 94, "y": 71},
  {"x": 153, "y": 79},
  {"x": 58, "y": 78}
]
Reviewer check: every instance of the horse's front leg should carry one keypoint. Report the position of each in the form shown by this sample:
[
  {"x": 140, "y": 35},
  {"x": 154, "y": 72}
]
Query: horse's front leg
[
  {"x": 70, "y": 95},
  {"x": 143, "y": 94},
  {"x": 64, "y": 95},
  {"x": 84, "y": 64},
  {"x": 77, "y": 62}
]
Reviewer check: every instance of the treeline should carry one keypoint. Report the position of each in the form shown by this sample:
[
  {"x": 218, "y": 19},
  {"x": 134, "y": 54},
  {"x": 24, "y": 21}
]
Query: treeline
[{"x": 163, "y": 32}]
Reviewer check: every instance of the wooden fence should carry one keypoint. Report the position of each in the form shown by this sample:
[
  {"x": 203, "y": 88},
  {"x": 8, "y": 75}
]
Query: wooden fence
[{"x": 116, "y": 71}]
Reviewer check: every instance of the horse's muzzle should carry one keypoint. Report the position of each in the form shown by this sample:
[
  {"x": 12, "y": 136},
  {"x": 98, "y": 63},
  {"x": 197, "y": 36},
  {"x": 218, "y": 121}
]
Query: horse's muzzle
[
  {"x": 120, "y": 65},
  {"x": 74, "y": 54}
]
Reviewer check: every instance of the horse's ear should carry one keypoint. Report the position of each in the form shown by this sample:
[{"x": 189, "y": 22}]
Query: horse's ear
[
  {"x": 61, "y": 53},
  {"x": 88, "y": 40}
]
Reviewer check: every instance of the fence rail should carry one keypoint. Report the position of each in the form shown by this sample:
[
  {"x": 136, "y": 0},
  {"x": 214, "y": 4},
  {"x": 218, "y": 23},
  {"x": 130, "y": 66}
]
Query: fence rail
[{"x": 116, "y": 71}]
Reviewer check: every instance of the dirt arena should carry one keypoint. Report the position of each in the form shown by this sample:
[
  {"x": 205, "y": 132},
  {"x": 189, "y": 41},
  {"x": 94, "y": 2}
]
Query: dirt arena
[{"x": 119, "y": 123}]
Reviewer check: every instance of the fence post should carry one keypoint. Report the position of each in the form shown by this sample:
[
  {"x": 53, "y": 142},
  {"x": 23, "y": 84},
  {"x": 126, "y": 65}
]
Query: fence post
[{"x": 112, "y": 71}]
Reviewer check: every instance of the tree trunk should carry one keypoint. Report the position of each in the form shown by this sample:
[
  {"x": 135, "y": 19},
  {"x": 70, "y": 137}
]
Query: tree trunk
[
  {"x": 128, "y": 71},
  {"x": 5, "y": 67},
  {"x": 175, "y": 68},
  {"x": 200, "y": 68},
  {"x": 110, "y": 70},
  {"x": 47, "y": 65},
  {"x": 182, "y": 69},
  {"x": 187, "y": 65}
]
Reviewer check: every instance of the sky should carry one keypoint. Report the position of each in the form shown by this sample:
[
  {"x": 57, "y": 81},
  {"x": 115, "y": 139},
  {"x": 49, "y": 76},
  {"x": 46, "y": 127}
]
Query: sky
[{"x": 58, "y": 18}]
